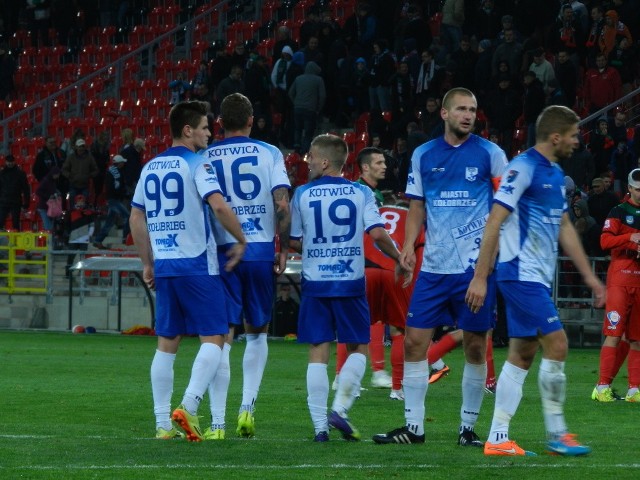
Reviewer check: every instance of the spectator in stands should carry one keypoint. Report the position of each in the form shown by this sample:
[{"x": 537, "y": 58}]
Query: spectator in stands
[
  {"x": 14, "y": 192},
  {"x": 310, "y": 27},
  {"x": 257, "y": 83},
  {"x": 555, "y": 94},
  {"x": 542, "y": 67},
  {"x": 285, "y": 315},
  {"x": 100, "y": 151},
  {"x": 566, "y": 74},
  {"x": 503, "y": 107},
  {"x": 534, "y": 103},
  {"x": 361, "y": 29},
  {"x": 308, "y": 95},
  {"x": 7, "y": 69},
  {"x": 239, "y": 56},
  {"x": 133, "y": 166},
  {"x": 382, "y": 69},
  {"x": 232, "y": 84},
  {"x": 69, "y": 144},
  {"x": 601, "y": 145},
  {"x": 586, "y": 227},
  {"x": 46, "y": 189},
  {"x": 569, "y": 34},
  {"x": 592, "y": 43},
  {"x": 465, "y": 60},
  {"x": 432, "y": 123},
  {"x": 39, "y": 20},
  {"x": 179, "y": 89},
  {"x": 487, "y": 21},
  {"x": 507, "y": 23},
  {"x": 201, "y": 83},
  {"x": 415, "y": 137},
  {"x": 402, "y": 99},
  {"x": 116, "y": 193},
  {"x": 359, "y": 81},
  {"x": 262, "y": 131},
  {"x": 618, "y": 129},
  {"x": 417, "y": 28},
  {"x": 428, "y": 78},
  {"x": 451, "y": 27},
  {"x": 403, "y": 160},
  {"x": 79, "y": 168},
  {"x": 50, "y": 156},
  {"x": 612, "y": 31},
  {"x": 623, "y": 59},
  {"x": 509, "y": 51},
  {"x": 280, "y": 88},
  {"x": 622, "y": 162},
  {"x": 602, "y": 85},
  {"x": 600, "y": 201},
  {"x": 283, "y": 39},
  {"x": 580, "y": 166},
  {"x": 483, "y": 70}
]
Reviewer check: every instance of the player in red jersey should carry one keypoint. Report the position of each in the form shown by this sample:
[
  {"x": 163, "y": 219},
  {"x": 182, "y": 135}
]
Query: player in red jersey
[{"x": 621, "y": 235}]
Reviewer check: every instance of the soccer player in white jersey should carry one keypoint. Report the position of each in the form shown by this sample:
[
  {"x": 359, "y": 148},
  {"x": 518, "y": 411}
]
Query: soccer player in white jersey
[
  {"x": 531, "y": 209},
  {"x": 172, "y": 231},
  {"x": 254, "y": 182},
  {"x": 329, "y": 218},
  {"x": 451, "y": 184}
]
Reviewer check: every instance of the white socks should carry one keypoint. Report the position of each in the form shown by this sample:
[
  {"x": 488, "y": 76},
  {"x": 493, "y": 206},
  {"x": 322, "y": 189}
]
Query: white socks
[
  {"x": 415, "y": 383},
  {"x": 218, "y": 390},
  {"x": 253, "y": 363},
  {"x": 473, "y": 380},
  {"x": 318, "y": 395},
  {"x": 349, "y": 383},
  {"x": 162, "y": 387},
  {"x": 552, "y": 383},
  {"x": 202, "y": 374},
  {"x": 508, "y": 396}
]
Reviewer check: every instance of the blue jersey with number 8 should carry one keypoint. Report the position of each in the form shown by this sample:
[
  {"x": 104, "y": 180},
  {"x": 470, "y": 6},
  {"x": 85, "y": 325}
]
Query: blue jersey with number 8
[
  {"x": 172, "y": 192},
  {"x": 330, "y": 215}
]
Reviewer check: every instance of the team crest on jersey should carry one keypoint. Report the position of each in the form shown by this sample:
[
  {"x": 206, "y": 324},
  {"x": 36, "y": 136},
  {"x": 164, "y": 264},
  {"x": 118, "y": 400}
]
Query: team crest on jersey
[
  {"x": 508, "y": 189},
  {"x": 471, "y": 173},
  {"x": 512, "y": 175},
  {"x": 410, "y": 180},
  {"x": 607, "y": 223},
  {"x": 613, "y": 317},
  {"x": 209, "y": 169},
  {"x": 629, "y": 219}
]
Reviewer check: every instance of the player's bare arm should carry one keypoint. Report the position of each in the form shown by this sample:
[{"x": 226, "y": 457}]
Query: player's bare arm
[
  {"x": 140, "y": 235},
  {"x": 385, "y": 243},
  {"x": 229, "y": 221},
  {"x": 296, "y": 245},
  {"x": 477, "y": 290},
  {"x": 413, "y": 226},
  {"x": 572, "y": 245},
  {"x": 283, "y": 222}
]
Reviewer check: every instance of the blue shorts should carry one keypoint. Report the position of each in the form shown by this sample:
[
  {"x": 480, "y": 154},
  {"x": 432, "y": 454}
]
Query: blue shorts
[
  {"x": 192, "y": 305},
  {"x": 322, "y": 317},
  {"x": 530, "y": 310},
  {"x": 250, "y": 289},
  {"x": 439, "y": 300}
]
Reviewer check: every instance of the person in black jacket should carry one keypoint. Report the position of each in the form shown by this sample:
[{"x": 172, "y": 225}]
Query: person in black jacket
[
  {"x": 116, "y": 193},
  {"x": 534, "y": 103},
  {"x": 14, "y": 192}
]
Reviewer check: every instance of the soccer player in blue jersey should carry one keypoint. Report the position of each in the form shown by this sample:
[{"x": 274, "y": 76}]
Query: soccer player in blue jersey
[
  {"x": 172, "y": 231},
  {"x": 254, "y": 182},
  {"x": 531, "y": 209},
  {"x": 451, "y": 185},
  {"x": 329, "y": 218}
]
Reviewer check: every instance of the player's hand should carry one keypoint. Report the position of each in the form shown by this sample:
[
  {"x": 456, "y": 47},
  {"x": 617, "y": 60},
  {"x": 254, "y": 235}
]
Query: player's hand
[
  {"x": 408, "y": 259},
  {"x": 599, "y": 292},
  {"x": 280, "y": 263},
  {"x": 406, "y": 274},
  {"x": 476, "y": 294},
  {"x": 635, "y": 238},
  {"x": 148, "y": 276},
  {"x": 234, "y": 254}
]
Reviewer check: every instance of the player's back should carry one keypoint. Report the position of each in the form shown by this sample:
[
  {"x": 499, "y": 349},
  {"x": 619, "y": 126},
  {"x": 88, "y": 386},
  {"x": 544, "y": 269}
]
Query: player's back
[
  {"x": 249, "y": 171},
  {"x": 331, "y": 215},
  {"x": 533, "y": 189},
  {"x": 171, "y": 191}
]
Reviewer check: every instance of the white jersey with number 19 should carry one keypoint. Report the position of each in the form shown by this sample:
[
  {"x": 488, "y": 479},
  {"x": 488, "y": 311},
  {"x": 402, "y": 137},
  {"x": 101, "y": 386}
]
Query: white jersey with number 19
[
  {"x": 330, "y": 215},
  {"x": 172, "y": 191},
  {"x": 249, "y": 171}
]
